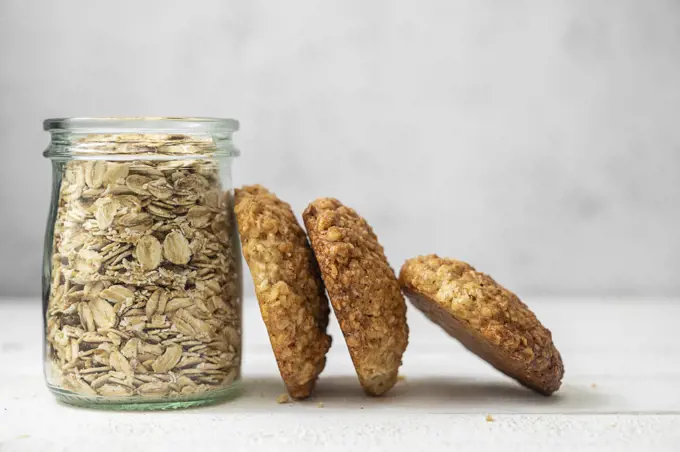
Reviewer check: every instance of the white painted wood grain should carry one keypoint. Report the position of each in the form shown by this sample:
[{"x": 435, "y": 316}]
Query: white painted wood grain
[{"x": 625, "y": 348}]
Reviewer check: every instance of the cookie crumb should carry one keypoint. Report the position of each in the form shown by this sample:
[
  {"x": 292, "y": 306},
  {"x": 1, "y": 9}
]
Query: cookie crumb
[
  {"x": 489, "y": 418},
  {"x": 319, "y": 405},
  {"x": 282, "y": 398},
  {"x": 401, "y": 378},
  {"x": 593, "y": 385}
]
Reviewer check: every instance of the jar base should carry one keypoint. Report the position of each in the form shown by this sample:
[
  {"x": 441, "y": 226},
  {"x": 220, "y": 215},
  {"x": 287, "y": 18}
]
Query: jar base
[{"x": 146, "y": 403}]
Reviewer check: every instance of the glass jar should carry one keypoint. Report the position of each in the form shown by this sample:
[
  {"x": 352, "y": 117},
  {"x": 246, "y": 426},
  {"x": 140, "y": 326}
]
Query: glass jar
[{"x": 142, "y": 281}]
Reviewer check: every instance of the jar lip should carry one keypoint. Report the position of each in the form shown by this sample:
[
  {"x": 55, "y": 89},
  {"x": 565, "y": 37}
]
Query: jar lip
[{"x": 140, "y": 124}]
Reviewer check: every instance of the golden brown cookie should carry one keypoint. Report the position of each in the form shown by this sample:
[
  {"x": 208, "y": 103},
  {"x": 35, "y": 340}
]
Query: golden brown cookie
[
  {"x": 288, "y": 286},
  {"x": 487, "y": 318},
  {"x": 363, "y": 290}
]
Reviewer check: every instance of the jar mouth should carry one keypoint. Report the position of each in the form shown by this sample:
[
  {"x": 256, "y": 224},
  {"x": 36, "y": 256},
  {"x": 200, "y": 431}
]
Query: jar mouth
[
  {"x": 141, "y": 124},
  {"x": 137, "y": 137}
]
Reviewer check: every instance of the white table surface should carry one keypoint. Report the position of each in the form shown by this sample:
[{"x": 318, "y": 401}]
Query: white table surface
[{"x": 621, "y": 392}]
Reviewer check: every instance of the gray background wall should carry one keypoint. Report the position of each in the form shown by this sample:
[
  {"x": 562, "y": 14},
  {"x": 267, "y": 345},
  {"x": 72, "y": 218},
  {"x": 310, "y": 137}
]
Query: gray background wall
[{"x": 538, "y": 140}]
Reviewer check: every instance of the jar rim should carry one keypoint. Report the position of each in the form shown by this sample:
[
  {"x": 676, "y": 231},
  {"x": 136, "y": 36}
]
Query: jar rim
[{"x": 141, "y": 124}]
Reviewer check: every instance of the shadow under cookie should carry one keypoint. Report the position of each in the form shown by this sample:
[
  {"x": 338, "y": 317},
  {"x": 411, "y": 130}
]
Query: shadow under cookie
[{"x": 426, "y": 394}]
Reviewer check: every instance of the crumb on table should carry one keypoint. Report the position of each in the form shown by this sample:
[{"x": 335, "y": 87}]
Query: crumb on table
[
  {"x": 489, "y": 418},
  {"x": 319, "y": 405},
  {"x": 282, "y": 398},
  {"x": 593, "y": 385},
  {"x": 401, "y": 377}
]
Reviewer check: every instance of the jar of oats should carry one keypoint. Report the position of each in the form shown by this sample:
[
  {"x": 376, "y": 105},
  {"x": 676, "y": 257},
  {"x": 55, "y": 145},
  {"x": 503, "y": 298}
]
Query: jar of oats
[{"x": 142, "y": 274}]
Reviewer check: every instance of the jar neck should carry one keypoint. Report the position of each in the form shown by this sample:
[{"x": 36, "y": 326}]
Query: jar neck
[
  {"x": 147, "y": 138},
  {"x": 66, "y": 145}
]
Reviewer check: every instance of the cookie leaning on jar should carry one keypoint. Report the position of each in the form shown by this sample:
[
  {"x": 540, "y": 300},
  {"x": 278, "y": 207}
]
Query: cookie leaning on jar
[{"x": 288, "y": 286}]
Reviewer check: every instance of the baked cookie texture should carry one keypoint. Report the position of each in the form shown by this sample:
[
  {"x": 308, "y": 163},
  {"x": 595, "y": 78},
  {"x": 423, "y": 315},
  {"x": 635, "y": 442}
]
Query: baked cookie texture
[
  {"x": 363, "y": 290},
  {"x": 288, "y": 286},
  {"x": 487, "y": 318}
]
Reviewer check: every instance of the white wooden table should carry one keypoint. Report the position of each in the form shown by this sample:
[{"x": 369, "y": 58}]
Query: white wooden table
[{"x": 621, "y": 392}]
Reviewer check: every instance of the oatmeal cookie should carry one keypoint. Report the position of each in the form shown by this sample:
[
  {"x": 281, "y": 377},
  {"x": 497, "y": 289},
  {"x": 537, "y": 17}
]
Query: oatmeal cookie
[
  {"x": 363, "y": 290},
  {"x": 287, "y": 284},
  {"x": 487, "y": 318}
]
